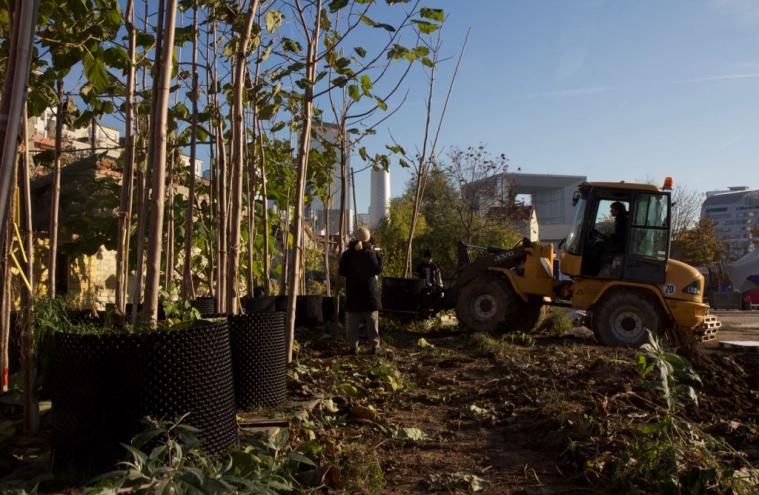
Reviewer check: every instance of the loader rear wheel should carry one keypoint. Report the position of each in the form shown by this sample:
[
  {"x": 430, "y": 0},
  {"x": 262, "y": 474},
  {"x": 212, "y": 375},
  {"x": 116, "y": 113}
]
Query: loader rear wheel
[
  {"x": 623, "y": 318},
  {"x": 489, "y": 304},
  {"x": 481, "y": 305}
]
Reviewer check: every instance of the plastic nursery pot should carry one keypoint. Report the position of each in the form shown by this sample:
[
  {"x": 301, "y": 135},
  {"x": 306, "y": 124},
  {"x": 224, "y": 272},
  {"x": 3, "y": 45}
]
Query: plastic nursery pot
[
  {"x": 104, "y": 384},
  {"x": 402, "y": 294},
  {"x": 328, "y": 308},
  {"x": 308, "y": 311},
  {"x": 264, "y": 304},
  {"x": 259, "y": 358},
  {"x": 206, "y": 306}
]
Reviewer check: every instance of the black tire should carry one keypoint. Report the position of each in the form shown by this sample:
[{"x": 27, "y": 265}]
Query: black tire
[
  {"x": 622, "y": 318},
  {"x": 529, "y": 315},
  {"x": 485, "y": 303}
]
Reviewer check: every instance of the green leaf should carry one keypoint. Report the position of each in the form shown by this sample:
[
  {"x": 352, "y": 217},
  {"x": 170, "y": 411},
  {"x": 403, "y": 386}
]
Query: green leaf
[
  {"x": 353, "y": 92},
  {"x": 381, "y": 103},
  {"x": 336, "y": 5},
  {"x": 427, "y": 62},
  {"x": 273, "y": 19},
  {"x": 145, "y": 40},
  {"x": 426, "y": 27},
  {"x": 432, "y": 14},
  {"x": 360, "y": 51},
  {"x": 414, "y": 434},
  {"x": 95, "y": 71},
  {"x": 366, "y": 85},
  {"x": 116, "y": 57}
]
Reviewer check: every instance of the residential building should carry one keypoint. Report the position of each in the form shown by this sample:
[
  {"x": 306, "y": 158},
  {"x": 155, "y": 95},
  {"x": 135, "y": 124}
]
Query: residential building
[{"x": 735, "y": 213}]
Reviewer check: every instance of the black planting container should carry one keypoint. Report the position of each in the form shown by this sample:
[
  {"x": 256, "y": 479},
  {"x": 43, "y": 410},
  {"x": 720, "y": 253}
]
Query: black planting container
[
  {"x": 259, "y": 357},
  {"x": 328, "y": 308},
  {"x": 308, "y": 311},
  {"x": 262, "y": 304},
  {"x": 206, "y": 306},
  {"x": 402, "y": 294},
  {"x": 103, "y": 385}
]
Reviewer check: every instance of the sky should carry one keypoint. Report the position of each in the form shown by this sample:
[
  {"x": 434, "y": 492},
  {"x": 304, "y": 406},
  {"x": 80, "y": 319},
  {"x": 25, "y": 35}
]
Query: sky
[{"x": 609, "y": 89}]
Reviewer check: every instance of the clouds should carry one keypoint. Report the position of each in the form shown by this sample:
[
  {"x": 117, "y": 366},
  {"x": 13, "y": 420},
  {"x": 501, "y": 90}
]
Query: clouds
[{"x": 721, "y": 77}]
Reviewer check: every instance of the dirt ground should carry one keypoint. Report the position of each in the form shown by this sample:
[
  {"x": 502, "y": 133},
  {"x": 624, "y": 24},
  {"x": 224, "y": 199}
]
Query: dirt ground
[{"x": 442, "y": 411}]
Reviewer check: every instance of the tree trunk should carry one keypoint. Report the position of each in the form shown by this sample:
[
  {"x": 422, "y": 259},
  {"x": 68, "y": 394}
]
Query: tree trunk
[
  {"x": 127, "y": 180},
  {"x": 264, "y": 209},
  {"x": 343, "y": 186},
  {"x": 6, "y": 300},
  {"x": 304, "y": 145},
  {"x": 251, "y": 195},
  {"x": 238, "y": 123},
  {"x": 286, "y": 248},
  {"x": 158, "y": 154},
  {"x": 56, "y": 196},
  {"x": 31, "y": 410},
  {"x": 24, "y": 21},
  {"x": 169, "y": 269},
  {"x": 327, "y": 281},
  {"x": 188, "y": 290}
]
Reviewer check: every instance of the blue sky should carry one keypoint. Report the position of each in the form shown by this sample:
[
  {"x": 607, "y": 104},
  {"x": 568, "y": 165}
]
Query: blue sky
[{"x": 615, "y": 90}]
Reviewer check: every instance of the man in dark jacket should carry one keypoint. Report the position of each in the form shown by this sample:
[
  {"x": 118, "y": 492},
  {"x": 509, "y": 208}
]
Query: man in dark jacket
[{"x": 361, "y": 264}]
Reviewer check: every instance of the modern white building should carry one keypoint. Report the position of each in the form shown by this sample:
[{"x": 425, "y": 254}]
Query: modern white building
[
  {"x": 185, "y": 159},
  {"x": 329, "y": 134},
  {"x": 550, "y": 195},
  {"x": 735, "y": 213},
  {"x": 379, "y": 203}
]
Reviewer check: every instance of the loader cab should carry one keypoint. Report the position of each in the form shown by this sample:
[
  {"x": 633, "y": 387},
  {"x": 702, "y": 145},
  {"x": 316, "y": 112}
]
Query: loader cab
[{"x": 632, "y": 247}]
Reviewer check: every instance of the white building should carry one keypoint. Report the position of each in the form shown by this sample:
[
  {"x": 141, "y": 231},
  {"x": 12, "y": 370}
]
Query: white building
[
  {"x": 550, "y": 195},
  {"x": 379, "y": 203},
  {"x": 185, "y": 159},
  {"x": 735, "y": 213}
]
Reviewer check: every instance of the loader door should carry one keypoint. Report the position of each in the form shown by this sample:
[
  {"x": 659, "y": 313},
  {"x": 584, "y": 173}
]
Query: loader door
[{"x": 647, "y": 246}]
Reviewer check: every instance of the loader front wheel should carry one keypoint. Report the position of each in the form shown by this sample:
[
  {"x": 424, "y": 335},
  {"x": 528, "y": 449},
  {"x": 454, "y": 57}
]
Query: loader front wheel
[
  {"x": 623, "y": 318},
  {"x": 482, "y": 304}
]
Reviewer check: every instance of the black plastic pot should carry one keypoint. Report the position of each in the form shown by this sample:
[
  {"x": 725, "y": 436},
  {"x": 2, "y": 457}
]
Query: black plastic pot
[
  {"x": 259, "y": 357},
  {"x": 265, "y": 304},
  {"x": 205, "y": 305},
  {"x": 402, "y": 294},
  {"x": 308, "y": 311},
  {"x": 103, "y": 385},
  {"x": 328, "y": 308}
]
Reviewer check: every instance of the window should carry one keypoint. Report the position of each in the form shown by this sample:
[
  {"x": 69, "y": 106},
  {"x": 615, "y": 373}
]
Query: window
[
  {"x": 649, "y": 235},
  {"x": 574, "y": 239}
]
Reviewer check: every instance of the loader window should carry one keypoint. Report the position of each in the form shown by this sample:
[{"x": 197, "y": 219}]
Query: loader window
[
  {"x": 649, "y": 235},
  {"x": 574, "y": 240}
]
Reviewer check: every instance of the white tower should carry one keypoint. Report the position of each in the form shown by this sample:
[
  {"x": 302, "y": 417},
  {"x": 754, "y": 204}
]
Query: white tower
[{"x": 380, "y": 198}]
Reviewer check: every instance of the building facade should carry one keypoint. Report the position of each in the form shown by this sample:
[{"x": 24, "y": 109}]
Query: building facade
[
  {"x": 735, "y": 213},
  {"x": 550, "y": 195}
]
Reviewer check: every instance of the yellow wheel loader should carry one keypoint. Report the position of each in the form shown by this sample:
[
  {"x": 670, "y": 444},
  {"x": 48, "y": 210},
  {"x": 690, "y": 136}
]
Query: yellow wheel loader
[{"x": 614, "y": 264}]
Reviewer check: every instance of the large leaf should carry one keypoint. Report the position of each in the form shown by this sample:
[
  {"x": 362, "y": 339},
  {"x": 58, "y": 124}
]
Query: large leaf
[
  {"x": 336, "y": 5},
  {"x": 432, "y": 14},
  {"x": 366, "y": 85},
  {"x": 94, "y": 70},
  {"x": 353, "y": 92}
]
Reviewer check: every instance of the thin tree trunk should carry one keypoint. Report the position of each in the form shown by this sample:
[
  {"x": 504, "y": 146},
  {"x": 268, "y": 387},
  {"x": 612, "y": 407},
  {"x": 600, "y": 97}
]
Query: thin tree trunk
[
  {"x": 56, "y": 197},
  {"x": 264, "y": 209},
  {"x": 31, "y": 411},
  {"x": 221, "y": 195},
  {"x": 251, "y": 194},
  {"x": 286, "y": 248},
  {"x": 142, "y": 221},
  {"x": 327, "y": 281},
  {"x": 127, "y": 180},
  {"x": 24, "y": 21},
  {"x": 188, "y": 290},
  {"x": 158, "y": 153},
  {"x": 343, "y": 186},
  {"x": 238, "y": 123},
  {"x": 211, "y": 243},
  {"x": 304, "y": 145},
  {"x": 6, "y": 300},
  {"x": 169, "y": 270}
]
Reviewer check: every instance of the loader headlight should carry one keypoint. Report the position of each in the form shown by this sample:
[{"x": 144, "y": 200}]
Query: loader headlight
[{"x": 693, "y": 289}]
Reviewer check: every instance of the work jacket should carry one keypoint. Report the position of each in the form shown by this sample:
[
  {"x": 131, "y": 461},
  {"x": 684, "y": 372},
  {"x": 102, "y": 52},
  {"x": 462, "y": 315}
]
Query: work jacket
[{"x": 361, "y": 269}]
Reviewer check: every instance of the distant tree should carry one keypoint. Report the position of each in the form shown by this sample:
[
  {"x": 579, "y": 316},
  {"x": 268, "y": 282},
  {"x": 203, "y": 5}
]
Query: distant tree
[
  {"x": 698, "y": 245},
  {"x": 686, "y": 210}
]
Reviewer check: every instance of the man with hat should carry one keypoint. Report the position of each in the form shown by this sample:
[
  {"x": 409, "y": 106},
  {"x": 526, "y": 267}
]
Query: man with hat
[{"x": 361, "y": 264}]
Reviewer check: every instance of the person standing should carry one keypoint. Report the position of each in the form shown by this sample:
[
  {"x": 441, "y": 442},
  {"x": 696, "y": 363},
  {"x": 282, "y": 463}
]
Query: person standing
[
  {"x": 429, "y": 271},
  {"x": 361, "y": 265}
]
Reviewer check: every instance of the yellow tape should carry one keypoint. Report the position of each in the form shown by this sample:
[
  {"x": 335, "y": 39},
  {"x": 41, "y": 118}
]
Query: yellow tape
[{"x": 21, "y": 271}]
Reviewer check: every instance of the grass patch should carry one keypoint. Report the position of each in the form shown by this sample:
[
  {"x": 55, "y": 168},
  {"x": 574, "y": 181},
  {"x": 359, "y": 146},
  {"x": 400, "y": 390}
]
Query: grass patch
[{"x": 361, "y": 470}]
